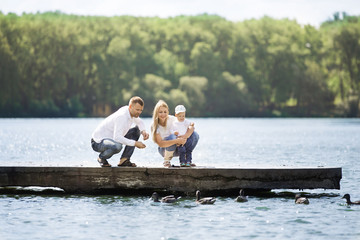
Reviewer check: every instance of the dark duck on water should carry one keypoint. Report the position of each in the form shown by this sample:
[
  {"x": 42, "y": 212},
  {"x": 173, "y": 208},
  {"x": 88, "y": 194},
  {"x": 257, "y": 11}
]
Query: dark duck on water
[
  {"x": 301, "y": 200},
  {"x": 241, "y": 197},
  {"x": 206, "y": 200},
  {"x": 166, "y": 199},
  {"x": 348, "y": 201}
]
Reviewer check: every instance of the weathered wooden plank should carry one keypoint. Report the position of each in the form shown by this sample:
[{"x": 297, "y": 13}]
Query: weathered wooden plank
[{"x": 185, "y": 180}]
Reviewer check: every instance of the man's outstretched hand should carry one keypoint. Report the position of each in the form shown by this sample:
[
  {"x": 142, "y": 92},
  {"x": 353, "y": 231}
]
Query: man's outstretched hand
[
  {"x": 139, "y": 144},
  {"x": 145, "y": 135}
]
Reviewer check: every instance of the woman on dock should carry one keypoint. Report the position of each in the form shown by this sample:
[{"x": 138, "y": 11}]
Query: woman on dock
[{"x": 162, "y": 135}]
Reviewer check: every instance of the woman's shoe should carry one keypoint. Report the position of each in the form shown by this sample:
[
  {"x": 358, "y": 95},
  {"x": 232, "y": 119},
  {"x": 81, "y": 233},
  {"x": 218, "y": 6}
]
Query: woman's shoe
[{"x": 167, "y": 163}]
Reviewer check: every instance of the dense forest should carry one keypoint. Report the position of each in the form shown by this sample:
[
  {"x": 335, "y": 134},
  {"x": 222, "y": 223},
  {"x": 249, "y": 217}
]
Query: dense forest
[{"x": 58, "y": 65}]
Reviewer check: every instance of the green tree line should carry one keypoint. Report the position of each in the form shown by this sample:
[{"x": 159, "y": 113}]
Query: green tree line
[{"x": 58, "y": 65}]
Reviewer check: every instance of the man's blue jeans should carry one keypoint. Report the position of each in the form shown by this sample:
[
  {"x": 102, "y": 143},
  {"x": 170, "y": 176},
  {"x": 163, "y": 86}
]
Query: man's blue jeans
[
  {"x": 108, "y": 147},
  {"x": 194, "y": 138}
]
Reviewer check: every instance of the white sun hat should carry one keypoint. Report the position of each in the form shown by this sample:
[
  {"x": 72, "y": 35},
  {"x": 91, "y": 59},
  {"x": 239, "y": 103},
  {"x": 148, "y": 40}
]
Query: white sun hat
[{"x": 179, "y": 109}]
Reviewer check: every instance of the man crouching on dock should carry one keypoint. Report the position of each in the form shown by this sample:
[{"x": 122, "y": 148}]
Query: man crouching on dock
[{"x": 115, "y": 131}]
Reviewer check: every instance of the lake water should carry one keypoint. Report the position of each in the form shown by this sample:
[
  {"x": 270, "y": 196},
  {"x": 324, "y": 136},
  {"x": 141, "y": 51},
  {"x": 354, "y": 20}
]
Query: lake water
[{"x": 234, "y": 142}]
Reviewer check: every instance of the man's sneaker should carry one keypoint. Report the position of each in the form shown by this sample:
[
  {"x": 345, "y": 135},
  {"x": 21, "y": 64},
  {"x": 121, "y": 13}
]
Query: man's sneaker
[{"x": 103, "y": 162}]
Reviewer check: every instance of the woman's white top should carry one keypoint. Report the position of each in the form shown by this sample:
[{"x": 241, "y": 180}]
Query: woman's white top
[{"x": 168, "y": 129}]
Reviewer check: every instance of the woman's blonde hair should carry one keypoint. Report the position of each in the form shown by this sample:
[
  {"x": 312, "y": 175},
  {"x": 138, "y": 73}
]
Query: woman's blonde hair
[{"x": 155, "y": 117}]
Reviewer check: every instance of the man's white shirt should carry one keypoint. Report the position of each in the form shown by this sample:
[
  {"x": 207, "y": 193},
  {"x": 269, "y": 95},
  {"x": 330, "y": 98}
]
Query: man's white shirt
[{"x": 116, "y": 126}]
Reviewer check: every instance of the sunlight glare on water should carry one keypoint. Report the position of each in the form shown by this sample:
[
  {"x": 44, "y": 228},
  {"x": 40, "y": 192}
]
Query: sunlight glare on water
[{"x": 223, "y": 143}]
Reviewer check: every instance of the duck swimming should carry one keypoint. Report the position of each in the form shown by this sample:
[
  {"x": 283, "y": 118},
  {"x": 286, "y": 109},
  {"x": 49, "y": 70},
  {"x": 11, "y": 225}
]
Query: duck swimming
[
  {"x": 166, "y": 199},
  {"x": 207, "y": 200},
  {"x": 348, "y": 201},
  {"x": 241, "y": 197},
  {"x": 301, "y": 200}
]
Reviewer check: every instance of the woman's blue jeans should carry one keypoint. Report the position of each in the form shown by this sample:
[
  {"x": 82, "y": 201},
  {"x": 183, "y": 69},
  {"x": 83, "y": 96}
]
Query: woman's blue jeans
[{"x": 194, "y": 138}]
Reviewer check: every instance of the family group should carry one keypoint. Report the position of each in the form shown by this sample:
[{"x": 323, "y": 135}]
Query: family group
[{"x": 174, "y": 135}]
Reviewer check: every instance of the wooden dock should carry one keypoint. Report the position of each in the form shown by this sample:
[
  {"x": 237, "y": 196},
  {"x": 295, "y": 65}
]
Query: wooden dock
[{"x": 144, "y": 180}]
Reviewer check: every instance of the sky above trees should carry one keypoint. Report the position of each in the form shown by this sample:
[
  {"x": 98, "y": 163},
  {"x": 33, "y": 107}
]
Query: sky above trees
[{"x": 303, "y": 11}]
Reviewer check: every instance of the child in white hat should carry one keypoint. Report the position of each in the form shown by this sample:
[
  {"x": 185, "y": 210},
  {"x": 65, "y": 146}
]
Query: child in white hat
[{"x": 180, "y": 127}]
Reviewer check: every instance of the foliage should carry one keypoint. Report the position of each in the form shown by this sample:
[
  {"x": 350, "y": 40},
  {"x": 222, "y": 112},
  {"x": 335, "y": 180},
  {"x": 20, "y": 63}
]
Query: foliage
[{"x": 58, "y": 65}]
